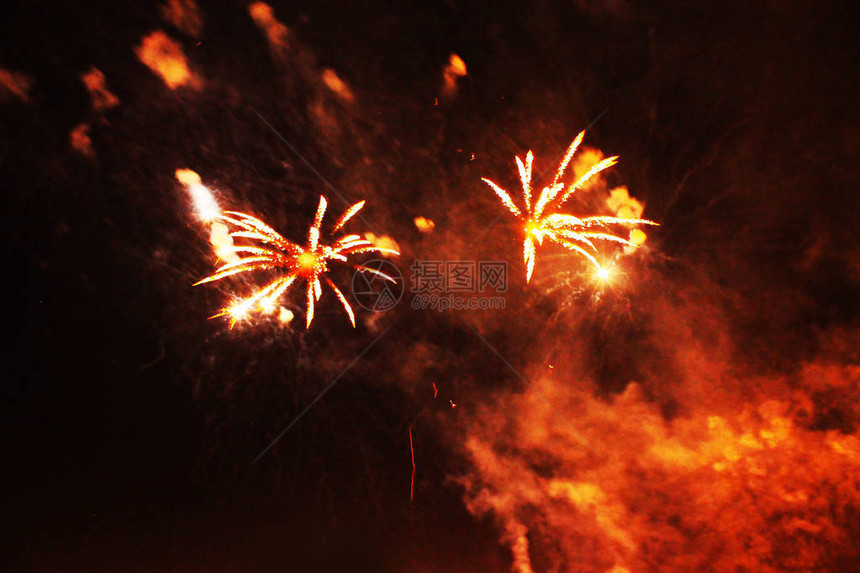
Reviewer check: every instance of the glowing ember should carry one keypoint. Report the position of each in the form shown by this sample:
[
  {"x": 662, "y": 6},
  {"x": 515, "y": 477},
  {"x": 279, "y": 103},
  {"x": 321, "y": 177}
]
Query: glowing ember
[
  {"x": 424, "y": 224},
  {"x": 338, "y": 86},
  {"x": 454, "y": 70},
  {"x": 637, "y": 237},
  {"x": 456, "y": 65},
  {"x": 165, "y": 58},
  {"x": 285, "y": 316},
  {"x": 101, "y": 98},
  {"x": 540, "y": 221},
  {"x": 309, "y": 262}
]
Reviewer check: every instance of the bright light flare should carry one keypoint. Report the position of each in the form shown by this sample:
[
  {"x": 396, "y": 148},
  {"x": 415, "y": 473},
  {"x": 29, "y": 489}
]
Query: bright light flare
[
  {"x": 268, "y": 250},
  {"x": 541, "y": 220},
  {"x": 603, "y": 274}
]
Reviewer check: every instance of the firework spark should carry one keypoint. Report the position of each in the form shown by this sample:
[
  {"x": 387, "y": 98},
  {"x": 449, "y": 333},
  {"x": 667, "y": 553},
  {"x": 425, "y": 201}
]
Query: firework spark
[
  {"x": 541, "y": 220},
  {"x": 310, "y": 263},
  {"x": 412, "y": 453}
]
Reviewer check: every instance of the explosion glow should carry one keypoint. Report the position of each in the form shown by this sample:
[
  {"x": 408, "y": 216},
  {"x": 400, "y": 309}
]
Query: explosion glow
[
  {"x": 309, "y": 262},
  {"x": 541, "y": 222}
]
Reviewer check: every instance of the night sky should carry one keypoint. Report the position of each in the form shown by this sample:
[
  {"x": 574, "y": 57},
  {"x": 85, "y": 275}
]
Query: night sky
[{"x": 132, "y": 422}]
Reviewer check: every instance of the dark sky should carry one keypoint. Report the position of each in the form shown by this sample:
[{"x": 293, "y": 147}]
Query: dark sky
[{"x": 131, "y": 422}]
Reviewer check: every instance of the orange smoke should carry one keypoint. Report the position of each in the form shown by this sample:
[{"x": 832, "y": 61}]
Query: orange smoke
[
  {"x": 185, "y": 15},
  {"x": 276, "y": 33},
  {"x": 623, "y": 205},
  {"x": 166, "y": 59},
  {"x": 585, "y": 160},
  {"x": 762, "y": 485},
  {"x": 15, "y": 84},
  {"x": 79, "y": 140}
]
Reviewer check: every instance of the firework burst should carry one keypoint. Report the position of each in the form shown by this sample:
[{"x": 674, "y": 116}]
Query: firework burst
[
  {"x": 541, "y": 219},
  {"x": 309, "y": 263}
]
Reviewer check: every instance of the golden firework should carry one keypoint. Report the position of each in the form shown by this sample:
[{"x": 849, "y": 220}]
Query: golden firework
[
  {"x": 541, "y": 219},
  {"x": 310, "y": 263}
]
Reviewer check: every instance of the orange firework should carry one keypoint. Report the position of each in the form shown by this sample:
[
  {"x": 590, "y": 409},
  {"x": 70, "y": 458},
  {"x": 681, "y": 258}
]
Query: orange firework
[
  {"x": 542, "y": 221},
  {"x": 309, "y": 262}
]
